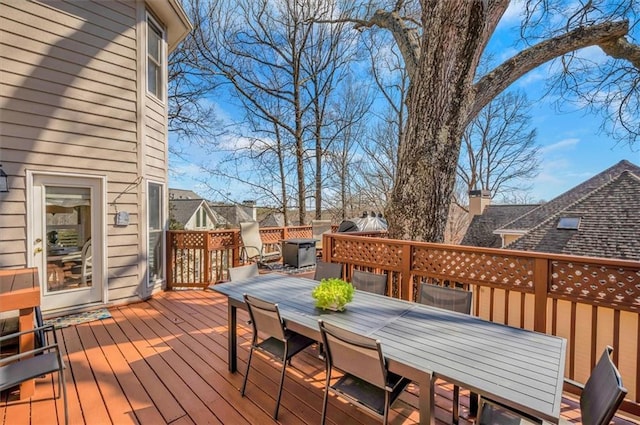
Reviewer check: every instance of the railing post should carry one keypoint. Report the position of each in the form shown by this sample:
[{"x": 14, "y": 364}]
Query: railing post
[
  {"x": 235, "y": 252},
  {"x": 406, "y": 289},
  {"x": 327, "y": 247},
  {"x": 540, "y": 284},
  {"x": 169, "y": 260},
  {"x": 207, "y": 260}
]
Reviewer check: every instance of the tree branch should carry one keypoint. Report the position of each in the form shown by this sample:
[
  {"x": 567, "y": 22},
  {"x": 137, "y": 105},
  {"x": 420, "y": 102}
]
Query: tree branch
[
  {"x": 606, "y": 34},
  {"x": 620, "y": 48}
]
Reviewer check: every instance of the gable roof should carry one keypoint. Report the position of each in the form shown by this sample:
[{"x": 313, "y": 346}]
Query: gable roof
[
  {"x": 480, "y": 230},
  {"x": 609, "y": 223},
  {"x": 234, "y": 214},
  {"x": 544, "y": 211},
  {"x": 181, "y": 210},
  {"x": 273, "y": 219},
  {"x": 183, "y": 194}
]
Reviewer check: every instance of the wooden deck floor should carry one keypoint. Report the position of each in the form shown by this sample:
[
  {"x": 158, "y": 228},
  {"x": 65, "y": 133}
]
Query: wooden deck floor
[{"x": 165, "y": 361}]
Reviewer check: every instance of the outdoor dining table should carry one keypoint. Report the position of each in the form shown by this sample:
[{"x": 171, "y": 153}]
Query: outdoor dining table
[{"x": 519, "y": 368}]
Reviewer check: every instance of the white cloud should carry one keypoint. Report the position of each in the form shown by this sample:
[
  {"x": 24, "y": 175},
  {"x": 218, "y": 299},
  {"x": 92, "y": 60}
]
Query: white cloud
[
  {"x": 513, "y": 14},
  {"x": 562, "y": 145}
]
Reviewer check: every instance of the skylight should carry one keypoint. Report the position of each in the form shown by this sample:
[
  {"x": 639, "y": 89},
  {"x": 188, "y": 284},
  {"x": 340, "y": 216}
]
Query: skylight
[{"x": 571, "y": 223}]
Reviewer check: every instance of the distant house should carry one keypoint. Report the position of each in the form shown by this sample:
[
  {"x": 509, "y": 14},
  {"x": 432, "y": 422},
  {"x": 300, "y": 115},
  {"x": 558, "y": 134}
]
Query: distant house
[
  {"x": 183, "y": 194},
  {"x": 234, "y": 214},
  {"x": 84, "y": 143},
  {"x": 600, "y": 218},
  {"x": 273, "y": 220},
  {"x": 193, "y": 214}
]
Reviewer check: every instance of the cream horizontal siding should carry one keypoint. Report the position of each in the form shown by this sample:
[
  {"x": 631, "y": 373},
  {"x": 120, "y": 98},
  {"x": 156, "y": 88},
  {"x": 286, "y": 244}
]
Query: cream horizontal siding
[{"x": 69, "y": 102}]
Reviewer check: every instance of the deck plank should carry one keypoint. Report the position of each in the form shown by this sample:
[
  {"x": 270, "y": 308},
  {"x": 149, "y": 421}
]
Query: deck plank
[{"x": 165, "y": 361}]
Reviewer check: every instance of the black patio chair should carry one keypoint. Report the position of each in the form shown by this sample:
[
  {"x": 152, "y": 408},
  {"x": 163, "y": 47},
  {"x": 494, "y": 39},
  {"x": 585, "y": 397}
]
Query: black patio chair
[
  {"x": 457, "y": 300},
  {"x": 31, "y": 364},
  {"x": 271, "y": 337},
  {"x": 366, "y": 381},
  {"x": 600, "y": 399},
  {"x": 370, "y": 282},
  {"x": 327, "y": 270}
]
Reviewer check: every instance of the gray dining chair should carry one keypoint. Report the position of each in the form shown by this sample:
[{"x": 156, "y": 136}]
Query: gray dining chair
[
  {"x": 452, "y": 299},
  {"x": 31, "y": 364},
  {"x": 327, "y": 270},
  {"x": 271, "y": 337},
  {"x": 243, "y": 272},
  {"x": 600, "y": 398},
  {"x": 365, "y": 379},
  {"x": 370, "y": 282}
]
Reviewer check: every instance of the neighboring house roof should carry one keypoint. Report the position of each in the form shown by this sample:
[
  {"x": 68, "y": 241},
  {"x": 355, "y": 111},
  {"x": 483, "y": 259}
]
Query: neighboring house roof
[
  {"x": 544, "y": 211},
  {"x": 183, "y": 194},
  {"x": 609, "y": 222},
  {"x": 273, "y": 220},
  {"x": 233, "y": 214},
  {"x": 480, "y": 230},
  {"x": 181, "y": 210}
]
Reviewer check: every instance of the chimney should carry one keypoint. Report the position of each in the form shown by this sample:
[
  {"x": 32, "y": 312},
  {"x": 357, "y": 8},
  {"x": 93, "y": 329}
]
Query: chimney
[
  {"x": 478, "y": 200},
  {"x": 250, "y": 207}
]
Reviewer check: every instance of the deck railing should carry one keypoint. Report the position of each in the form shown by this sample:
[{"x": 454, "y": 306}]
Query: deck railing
[{"x": 592, "y": 302}]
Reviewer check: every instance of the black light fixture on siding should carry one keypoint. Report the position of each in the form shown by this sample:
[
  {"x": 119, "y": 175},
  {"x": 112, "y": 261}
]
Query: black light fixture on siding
[{"x": 4, "y": 184}]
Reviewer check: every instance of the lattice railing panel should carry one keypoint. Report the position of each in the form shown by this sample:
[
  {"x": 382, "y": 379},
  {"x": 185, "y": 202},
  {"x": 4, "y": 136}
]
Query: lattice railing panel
[
  {"x": 472, "y": 267},
  {"x": 596, "y": 283},
  {"x": 189, "y": 240},
  {"x": 221, "y": 240},
  {"x": 384, "y": 255}
]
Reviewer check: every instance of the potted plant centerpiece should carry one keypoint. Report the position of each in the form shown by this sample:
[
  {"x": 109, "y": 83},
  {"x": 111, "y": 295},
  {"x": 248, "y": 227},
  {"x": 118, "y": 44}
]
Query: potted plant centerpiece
[{"x": 333, "y": 294}]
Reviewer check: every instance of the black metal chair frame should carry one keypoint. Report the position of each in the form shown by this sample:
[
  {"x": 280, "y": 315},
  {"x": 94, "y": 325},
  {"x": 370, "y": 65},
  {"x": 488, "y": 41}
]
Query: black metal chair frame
[
  {"x": 600, "y": 399},
  {"x": 366, "y": 380},
  {"x": 370, "y": 282},
  {"x": 280, "y": 343},
  {"x": 31, "y": 364},
  {"x": 452, "y": 299}
]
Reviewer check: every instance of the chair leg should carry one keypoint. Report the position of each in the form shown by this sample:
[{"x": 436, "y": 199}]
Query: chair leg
[
  {"x": 284, "y": 370},
  {"x": 385, "y": 419},
  {"x": 326, "y": 399},
  {"x": 246, "y": 375},
  {"x": 473, "y": 404},
  {"x": 64, "y": 397},
  {"x": 456, "y": 404}
]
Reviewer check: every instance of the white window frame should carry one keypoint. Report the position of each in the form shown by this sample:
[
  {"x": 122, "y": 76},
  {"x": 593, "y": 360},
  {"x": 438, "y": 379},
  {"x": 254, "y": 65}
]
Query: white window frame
[
  {"x": 160, "y": 62},
  {"x": 151, "y": 281}
]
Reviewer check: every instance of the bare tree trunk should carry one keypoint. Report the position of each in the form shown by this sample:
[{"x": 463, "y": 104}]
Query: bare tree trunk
[{"x": 438, "y": 105}]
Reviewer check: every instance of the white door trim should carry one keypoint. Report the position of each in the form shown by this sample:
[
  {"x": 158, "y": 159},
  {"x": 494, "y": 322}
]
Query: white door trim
[{"x": 100, "y": 226}]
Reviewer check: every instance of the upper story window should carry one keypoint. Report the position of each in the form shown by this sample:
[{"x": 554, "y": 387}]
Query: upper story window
[{"x": 155, "y": 58}]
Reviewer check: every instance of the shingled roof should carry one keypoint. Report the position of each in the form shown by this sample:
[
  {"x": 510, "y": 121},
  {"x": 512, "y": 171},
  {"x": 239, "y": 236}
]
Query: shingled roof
[
  {"x": 544, "y": 211},
  {"x": 181, "y": 210},
  {"x": 480, "y": 230},
  {"x": 609, "y": 219}
]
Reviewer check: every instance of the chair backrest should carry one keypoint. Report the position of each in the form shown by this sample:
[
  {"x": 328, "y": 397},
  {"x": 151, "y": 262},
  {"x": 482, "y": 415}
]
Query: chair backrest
[
  {"x": 452, "y": 299},
  {"x": 370, "y": 282},
  {"x": 318, "y": 227},
  {"x": 354, "y": 354},
  {"x": 86, "y": 255},
  {"x": 250, "y": 234},
  {"x": 327, "y": 270},
  {"x": 243, "y": 272},
  {"x": 603, "y": 393},
  {"x": 265, "y": 318}
]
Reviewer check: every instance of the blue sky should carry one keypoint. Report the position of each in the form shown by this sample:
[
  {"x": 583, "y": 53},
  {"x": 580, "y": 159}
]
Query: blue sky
[{"x": 572, "y": 147}]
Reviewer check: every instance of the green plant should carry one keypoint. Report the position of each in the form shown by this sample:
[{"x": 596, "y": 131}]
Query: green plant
[{"x": 333, "y": 294}]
